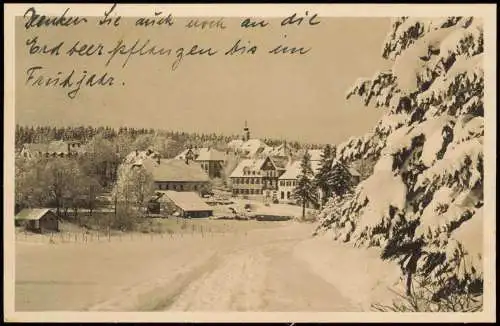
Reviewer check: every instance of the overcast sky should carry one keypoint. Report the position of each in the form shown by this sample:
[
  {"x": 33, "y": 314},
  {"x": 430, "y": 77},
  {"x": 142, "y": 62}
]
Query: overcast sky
[{"x": 295, "y": 97}]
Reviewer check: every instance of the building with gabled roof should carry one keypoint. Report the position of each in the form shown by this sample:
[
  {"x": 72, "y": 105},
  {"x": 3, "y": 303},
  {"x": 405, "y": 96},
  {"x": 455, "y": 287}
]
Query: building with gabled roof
[
  {"x": 188, "y": 204},
  {"x": 55, "y": 148},
  {"x": 210, "y": 159},
  {"x": 177, "y": 175},
  {"x": 38, "y": 220},
  {"x": 256, "y": 178},
  {"x": 288, "y": 180}
]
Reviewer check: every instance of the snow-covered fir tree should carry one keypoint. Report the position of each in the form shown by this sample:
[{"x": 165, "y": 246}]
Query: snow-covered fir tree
[
  {"x": 429, "y": 151},
  {"x": 305, "y": 191},
  {"x": 321, "y": 179},
  {"x": 339, "y": 179}
]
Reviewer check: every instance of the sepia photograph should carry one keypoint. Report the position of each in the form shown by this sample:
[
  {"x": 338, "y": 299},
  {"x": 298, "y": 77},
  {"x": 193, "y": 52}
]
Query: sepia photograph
[{"x": 232, "y": 159}]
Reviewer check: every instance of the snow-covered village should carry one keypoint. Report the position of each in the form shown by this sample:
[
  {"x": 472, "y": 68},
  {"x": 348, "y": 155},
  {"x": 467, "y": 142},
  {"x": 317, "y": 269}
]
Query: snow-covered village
[{"x": 378, "y": 208}]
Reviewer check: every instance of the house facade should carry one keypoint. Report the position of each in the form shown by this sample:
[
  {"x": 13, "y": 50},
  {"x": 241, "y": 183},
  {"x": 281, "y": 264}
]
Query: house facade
[
  {"x": 256, "y": 178},
  {"x": 287, "y": 183},
  {"x": 177, "y": 175},
  {"x": 288, "y": 180}
]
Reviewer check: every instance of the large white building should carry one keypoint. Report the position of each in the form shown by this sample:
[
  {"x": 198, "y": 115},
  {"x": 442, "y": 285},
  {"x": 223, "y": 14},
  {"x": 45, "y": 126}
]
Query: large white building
[{"x": 288, "y": 180}]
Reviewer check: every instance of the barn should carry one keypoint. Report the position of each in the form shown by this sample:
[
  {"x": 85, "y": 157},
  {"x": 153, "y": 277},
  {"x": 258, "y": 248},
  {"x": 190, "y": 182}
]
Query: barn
[
  {"x": 40, "y": 220},
  {"x": 188, "y": 204}
]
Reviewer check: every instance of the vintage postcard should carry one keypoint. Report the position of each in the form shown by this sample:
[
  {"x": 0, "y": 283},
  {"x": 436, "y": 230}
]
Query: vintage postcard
[{"x": 285, "y": 163}]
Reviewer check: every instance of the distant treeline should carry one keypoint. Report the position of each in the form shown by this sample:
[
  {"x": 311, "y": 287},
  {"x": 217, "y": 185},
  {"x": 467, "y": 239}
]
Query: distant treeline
[{"x": 43, "y": 134}]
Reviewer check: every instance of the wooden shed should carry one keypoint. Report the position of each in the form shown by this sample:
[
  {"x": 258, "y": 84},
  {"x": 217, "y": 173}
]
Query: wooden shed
[
  {"x": 40, "y": 220},
  {"x": 189, "y": 204}
]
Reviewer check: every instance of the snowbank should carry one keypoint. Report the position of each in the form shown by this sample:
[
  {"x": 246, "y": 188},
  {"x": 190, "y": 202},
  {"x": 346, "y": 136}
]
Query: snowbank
[{"x": 359, "y": 275}]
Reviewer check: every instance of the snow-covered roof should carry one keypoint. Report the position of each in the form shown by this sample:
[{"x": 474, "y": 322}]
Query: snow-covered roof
[
  {"x": 235, "y": 143},
  {"x": 187, "y": 201},
  {"x": 210, "y": 154},
  {"x": 293, "y": 170},
  {"x": 138, "y": 156},
  {"x": 55, "y": 146},
  {"x": 32, "y": 213},
  {"x": 249, "y": 167},
  {"x": 172, "y": 170},
  {"x": 254, "y": 146},
  {"x": 281, "y": 150}
]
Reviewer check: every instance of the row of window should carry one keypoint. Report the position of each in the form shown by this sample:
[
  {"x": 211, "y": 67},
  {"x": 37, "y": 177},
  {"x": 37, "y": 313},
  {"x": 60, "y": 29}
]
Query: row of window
[
  {"x": 287, "y": 183},
  {"x": 269, "y": 173},
  {"x": 252, "y": 181},
  {"x": 247, "y": 191},
  {"x": 246, "y": 172},
  {"x": 283, "y": 195},
  {"x": 167, "y": 186}
]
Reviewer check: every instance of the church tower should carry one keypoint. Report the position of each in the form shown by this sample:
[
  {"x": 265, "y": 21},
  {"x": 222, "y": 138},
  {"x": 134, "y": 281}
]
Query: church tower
[{"x": 246, "y": 132}]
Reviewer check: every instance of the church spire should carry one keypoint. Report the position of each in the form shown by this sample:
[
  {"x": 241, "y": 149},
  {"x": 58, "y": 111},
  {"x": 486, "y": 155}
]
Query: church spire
[{"x": 246, "y": 132}]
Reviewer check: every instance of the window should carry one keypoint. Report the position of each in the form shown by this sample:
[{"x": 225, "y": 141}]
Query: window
[
  {"x": 182, "y": 187},
  {"x": 288, "y": 195},
  {"x": 251, "y": 191},
  {"x": 195, "y": 187},
  {"x": 247, "y": 181},
  {"x": 257, "y": 181},
  {"x": 282, "y": 195}
]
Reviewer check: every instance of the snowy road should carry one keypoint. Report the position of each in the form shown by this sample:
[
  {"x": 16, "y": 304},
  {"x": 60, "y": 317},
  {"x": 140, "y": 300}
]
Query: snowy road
[{"x": 254, "y": 271}]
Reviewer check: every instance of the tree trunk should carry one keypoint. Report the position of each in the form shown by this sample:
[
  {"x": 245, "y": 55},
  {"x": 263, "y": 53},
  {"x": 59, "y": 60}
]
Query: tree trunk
[
  {"x": 409, "y": 275},
  {"x": 303, "y": 209},
  {"x": 116, "y": 202}
]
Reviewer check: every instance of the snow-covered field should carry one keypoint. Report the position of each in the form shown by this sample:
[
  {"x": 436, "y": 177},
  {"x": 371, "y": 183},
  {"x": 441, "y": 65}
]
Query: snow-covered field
[{"x": 276, "y": 268}]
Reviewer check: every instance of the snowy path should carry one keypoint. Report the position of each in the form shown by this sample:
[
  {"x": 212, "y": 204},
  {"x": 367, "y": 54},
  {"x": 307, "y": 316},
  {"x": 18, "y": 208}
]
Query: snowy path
[{"x": 262, "y": 270}]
